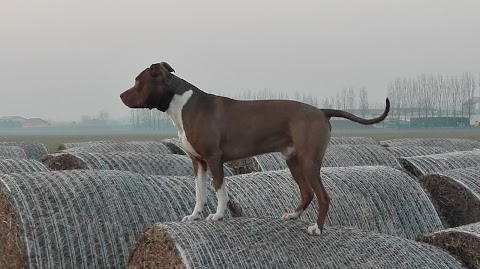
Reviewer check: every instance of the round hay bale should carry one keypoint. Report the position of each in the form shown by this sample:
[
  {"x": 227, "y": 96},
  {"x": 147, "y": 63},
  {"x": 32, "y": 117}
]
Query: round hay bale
[
  {"x": 450, "y": 144},
  {"x": 352, "y": 140},
  {"x": 87, "y": 218},
  {"x": 174, "y": 145},
  {"x": 21, "y": 165},
  {"x": 359, "y": 155},
  {"x": 273, "y": 243},
  {"x": 129, "y": 146},
  {"x": 32, "y": 150},
  {"x": 455, "y": 194},
  {"x": 65, "y": 146},
  {"x": 414, "y": 151},
  {"x": 143, "y": 163},
  {"x": 11, "y": 255},
  {"x": 422, "y": 165},
  {"x": 463, "y": 242},
  {"x": 373, "y": 198},
  {"x": 269, "y": 161},
  {"x": 15, "y": 152}
]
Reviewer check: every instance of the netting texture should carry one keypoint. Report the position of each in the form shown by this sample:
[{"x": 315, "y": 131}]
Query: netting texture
[
  {"x": 273, "y": 243},
  {"x": 144, "y": 163},
  {"x": 86, "y": 143},
  {"x": 448, "y": 143},
  {"x": 7, "y": 152},
  {"x": 130, "y": 146},
  {"x": 352, "y": 140},
  {"x": 32, "y": 150},
  {"x": 92, "y": 218},
  {"x": 337, "y": 156},
  {"x": 374, "y": 198},
  {"x": 422, "y": 165},
  {"x": 21, "y": 165},
  {"x": 413, "y": 151}
]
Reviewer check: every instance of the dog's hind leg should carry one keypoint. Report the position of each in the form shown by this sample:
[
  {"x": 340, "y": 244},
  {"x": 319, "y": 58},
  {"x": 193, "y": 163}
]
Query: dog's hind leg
[
  {"x": 305, "y": 190},
  {"x": 200, "y": 171},
  {"x": 216, "y": 168}
]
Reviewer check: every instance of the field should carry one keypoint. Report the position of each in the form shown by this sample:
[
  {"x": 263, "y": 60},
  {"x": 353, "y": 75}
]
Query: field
[{"x": 53, "y": 139}]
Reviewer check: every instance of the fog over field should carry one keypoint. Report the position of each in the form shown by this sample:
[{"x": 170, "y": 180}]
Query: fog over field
[{"x": 64, "y": 59}]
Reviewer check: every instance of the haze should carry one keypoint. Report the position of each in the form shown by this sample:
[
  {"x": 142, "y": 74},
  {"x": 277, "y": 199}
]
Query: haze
[{"x": 64, "y": 59}]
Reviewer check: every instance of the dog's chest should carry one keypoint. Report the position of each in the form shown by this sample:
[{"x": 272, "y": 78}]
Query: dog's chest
[{"x": 174, "y": 111}]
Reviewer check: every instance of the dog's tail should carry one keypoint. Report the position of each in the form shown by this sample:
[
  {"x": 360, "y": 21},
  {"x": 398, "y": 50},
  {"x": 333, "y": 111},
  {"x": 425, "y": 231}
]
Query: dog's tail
[{"x": 344, "y": 114}]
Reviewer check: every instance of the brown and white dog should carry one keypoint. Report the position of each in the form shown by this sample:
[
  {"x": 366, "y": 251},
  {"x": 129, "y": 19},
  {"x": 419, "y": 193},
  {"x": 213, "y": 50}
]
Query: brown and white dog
[{"x": 215, "y": 129}]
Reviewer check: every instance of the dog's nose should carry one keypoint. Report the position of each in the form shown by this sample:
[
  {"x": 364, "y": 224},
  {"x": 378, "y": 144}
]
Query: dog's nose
[{"x": 122, "y": 95}]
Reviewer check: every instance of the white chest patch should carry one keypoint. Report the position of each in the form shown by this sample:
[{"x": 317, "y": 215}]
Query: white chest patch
[{"x": 174, "y": 111}]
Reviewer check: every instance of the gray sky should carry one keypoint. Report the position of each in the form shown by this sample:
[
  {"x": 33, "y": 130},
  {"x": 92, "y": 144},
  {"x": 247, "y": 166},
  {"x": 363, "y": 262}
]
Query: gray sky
[{"x": 63, "y": 59}]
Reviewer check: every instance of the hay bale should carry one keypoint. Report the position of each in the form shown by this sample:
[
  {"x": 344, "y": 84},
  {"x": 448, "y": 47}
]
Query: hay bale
[
  {"x": 21, "y": 165},
  {"x": 352, "y": 140},
  {"x": 450, "y": 144},
  {"x": 32, "y": 150},
  {"x": 65, "y": 146},
  {"x": 273, "y": 243},
  {"x": 463, "y": 242},
  {"x": 174, "y": 145},
  {"x": 422, "y": 165},
  {"x": 373, "y": 198},
  {"x": 88, "y": 218},
  {"x": 244, "y": 166},
  {"x": 130, "y": 146},
  {"x": 414, "y": 151},
  {"x": 455, "y": 194},
  {"x": 15, "y": 152},
  {"x": 143, "y": 163}
]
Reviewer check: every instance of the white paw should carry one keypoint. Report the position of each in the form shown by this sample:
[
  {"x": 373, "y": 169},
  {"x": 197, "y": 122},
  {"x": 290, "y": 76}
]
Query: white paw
[
  {"x": 313, "y": 230},
  {"x": 191, "y": 217},
  {"x": 294, "y": 215},
  {"x": 214, "y": 217}
]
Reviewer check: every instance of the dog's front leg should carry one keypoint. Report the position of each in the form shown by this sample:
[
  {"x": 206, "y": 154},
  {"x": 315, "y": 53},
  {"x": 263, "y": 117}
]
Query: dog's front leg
[
  {"x": 200, "y": 171},
  {"x": 216, "y": 168}
]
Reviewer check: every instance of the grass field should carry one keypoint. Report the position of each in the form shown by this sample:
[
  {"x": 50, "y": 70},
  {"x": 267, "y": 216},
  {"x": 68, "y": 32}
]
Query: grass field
[{"x": 53, "y": 140}]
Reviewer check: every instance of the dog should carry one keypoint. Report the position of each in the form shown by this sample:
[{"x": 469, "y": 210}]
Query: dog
[{"x": 215, "y": 129}]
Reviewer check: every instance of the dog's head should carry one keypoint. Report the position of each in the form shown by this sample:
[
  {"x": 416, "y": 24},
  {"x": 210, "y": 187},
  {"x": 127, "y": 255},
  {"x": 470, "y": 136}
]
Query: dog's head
[{"x": 151, "y": 89}]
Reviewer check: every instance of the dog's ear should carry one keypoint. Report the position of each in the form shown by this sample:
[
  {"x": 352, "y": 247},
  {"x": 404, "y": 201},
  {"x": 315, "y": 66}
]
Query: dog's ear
[
  {"x": 160, "y": 68},
  {"x": 167, "y": 66}
]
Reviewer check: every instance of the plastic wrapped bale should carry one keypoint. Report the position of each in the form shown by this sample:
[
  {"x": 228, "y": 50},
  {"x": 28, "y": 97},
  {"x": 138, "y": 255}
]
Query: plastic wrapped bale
[
  {"x": 174, "y": 145},
  {"x": 129, "y": 146},
  {"x": 455, "y": 194},
  {"x": 144, "y": 163},
  {"x": 32, "y": 150},
  {"x": 21, "y": 165},
  {"x": 422, "y": 165},
  {"x": 463, "y": 242},
  {"x": 85, "y": 218},
  {"x": 15, "y": 152},
  {"x": 353, "y": 140},
  {"x": 449, "y": 143},
  {"x": 414, "y": 151},
  {"x": 273, "y": 243},
  {"x": 359, "y": 155},
  {"x": 373, "y": 198}
]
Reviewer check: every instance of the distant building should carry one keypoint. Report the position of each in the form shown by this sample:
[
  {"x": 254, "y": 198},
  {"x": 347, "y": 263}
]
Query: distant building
[{"x": 16, "y": 121}]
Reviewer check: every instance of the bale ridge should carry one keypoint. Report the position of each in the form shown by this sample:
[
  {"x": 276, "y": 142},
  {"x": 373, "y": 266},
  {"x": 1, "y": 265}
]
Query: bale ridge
[
  {"x": 413, "y": 151},
  {"x": 174, "y": 145},
  {"x": 274, "y": 243},
  {"x": 12, "y": 152},
  {"x": 352, "y": 140},
  {"x": 89, "y": 218},
  {"x": 422, "y": 165},
  {"x": 455, "y": 194},
  {"x": 32, "y": 150},
  {"x": 21, "y": 165},
  {"x": 143, "y": 163},
  {"x": 463, "y": 242},
  {"x": 451, "y": 144},
  {"x": 129, "y": 146}
]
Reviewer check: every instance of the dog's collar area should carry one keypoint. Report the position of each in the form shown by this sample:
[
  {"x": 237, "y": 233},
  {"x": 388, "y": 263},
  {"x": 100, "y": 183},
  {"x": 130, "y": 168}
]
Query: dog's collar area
[{"x": 174, "y": 83}]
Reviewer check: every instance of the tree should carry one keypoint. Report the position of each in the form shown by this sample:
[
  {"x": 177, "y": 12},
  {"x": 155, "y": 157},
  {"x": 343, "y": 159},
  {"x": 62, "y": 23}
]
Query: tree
[{"x": 363, "y": 101}]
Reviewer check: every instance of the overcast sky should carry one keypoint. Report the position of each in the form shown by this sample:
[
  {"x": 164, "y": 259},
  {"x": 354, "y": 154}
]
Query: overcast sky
[{"x": 63, "y": 59}]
